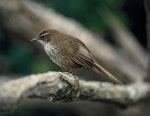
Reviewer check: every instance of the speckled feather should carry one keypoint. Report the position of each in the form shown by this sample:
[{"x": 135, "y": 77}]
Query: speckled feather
[{"x": 69, "y": 52}]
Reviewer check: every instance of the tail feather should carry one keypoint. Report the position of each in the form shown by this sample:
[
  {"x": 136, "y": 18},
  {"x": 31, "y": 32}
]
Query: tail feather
[{"x": 100, "y": 69}]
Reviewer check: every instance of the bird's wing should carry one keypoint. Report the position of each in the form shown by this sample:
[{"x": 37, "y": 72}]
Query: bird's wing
[
  {"x": 81, "y": 54},
  {"x": 83, "y": 57}
]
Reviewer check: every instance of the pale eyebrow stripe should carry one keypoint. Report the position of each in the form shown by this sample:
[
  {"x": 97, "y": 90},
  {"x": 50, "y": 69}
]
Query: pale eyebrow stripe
[{"x": 45, "y": 34}]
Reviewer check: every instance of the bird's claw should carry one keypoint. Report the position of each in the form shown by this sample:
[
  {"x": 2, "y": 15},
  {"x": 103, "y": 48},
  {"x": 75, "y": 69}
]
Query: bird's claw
[{"x": 73, "y": 83}]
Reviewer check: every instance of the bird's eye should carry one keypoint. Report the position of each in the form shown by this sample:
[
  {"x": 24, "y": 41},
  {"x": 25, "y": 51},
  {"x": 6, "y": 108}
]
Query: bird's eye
[{"x": 45, "y": 36}]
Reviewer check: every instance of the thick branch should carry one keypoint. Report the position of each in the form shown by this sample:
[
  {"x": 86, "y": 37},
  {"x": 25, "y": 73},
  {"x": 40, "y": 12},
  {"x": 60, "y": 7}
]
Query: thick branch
[{"x": 56, "y": 86}]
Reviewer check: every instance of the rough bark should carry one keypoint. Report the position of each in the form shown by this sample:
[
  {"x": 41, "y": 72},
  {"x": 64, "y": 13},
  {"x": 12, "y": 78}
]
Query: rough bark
[{"x": 64, "y": 87}]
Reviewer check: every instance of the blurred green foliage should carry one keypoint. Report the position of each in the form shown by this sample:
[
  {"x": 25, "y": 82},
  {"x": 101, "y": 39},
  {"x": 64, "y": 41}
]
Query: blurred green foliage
[
  {"x": 88, "y": 12},
  {"x": 18, "y": 59}
]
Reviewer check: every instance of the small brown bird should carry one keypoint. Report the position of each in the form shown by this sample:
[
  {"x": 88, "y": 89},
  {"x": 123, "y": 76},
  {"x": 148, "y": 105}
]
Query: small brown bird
[{"x": 69, "y": 52}]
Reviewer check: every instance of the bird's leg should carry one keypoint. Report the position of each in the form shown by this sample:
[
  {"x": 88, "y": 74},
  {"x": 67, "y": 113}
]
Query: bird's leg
[{"x": 71, "y": 71}]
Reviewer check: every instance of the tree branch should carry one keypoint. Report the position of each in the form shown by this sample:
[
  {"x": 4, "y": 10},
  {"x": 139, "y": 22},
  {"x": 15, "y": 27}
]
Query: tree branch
[{"x": 57, "y": 86}]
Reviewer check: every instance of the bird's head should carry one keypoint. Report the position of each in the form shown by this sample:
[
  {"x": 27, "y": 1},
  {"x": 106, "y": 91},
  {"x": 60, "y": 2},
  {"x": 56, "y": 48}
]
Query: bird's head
[{"x": 45, "y": 36}]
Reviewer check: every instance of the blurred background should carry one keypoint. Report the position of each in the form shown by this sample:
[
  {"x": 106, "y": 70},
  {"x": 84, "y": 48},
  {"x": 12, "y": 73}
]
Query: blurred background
[{"x": 19, "y": 59}]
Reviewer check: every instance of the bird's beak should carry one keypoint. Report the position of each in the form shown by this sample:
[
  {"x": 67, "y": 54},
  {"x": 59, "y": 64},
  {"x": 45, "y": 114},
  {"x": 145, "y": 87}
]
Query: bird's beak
[{"x": 35, "y": 39}]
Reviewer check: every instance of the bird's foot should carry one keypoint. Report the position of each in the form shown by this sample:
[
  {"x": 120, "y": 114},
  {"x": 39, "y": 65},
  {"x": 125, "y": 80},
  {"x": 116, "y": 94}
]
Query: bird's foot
[{"x": 73, "y": 90}]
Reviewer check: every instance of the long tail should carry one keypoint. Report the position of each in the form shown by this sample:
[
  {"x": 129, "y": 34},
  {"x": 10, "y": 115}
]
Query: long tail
[{"x": 100, "y": 69}]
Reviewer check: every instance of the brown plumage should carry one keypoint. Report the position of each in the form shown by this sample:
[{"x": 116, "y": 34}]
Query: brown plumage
[{"x": 69, "y": 52}]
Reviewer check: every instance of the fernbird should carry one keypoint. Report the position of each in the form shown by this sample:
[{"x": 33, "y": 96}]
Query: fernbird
[{"x": 69, "y": 52}]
